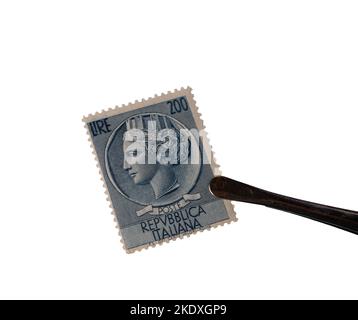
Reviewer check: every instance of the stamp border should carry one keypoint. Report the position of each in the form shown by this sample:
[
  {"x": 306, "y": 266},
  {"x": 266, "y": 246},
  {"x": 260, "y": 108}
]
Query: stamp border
[{"x": 208, "y": 148}]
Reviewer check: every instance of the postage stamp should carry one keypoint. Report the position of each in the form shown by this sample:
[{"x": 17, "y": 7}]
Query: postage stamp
[{"x": 156, "y": 165}]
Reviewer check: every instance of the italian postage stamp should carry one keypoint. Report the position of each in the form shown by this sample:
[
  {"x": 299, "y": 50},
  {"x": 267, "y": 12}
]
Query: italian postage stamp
[{"x": 156, "y": 165}]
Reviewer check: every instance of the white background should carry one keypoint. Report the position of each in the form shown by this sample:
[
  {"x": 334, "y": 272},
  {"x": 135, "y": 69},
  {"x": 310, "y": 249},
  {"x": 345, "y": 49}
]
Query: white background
[{"x": 276, "y": 82}]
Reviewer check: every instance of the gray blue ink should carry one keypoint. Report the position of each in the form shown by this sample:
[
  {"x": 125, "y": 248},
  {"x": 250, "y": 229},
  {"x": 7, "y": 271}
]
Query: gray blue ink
[{"x": 153, "y": 202}]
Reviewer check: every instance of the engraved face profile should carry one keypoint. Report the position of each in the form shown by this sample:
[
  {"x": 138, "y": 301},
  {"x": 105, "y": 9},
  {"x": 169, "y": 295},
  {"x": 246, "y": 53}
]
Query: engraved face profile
[
  {"x": 153, "y": 183},
  {"x": 161, "y": 177}
]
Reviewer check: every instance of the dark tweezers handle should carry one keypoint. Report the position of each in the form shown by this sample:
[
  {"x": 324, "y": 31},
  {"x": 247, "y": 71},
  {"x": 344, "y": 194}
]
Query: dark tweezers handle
[{"x": 226, "y": 188}]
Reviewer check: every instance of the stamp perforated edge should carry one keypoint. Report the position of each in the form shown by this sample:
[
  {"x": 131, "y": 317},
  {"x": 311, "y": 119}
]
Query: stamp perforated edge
[{"x": 207, "y": 149}]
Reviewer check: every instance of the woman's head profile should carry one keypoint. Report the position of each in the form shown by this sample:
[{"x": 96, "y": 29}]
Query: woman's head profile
[{"x": 158, "y": 173}]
